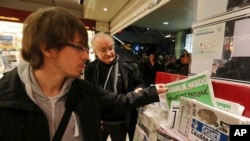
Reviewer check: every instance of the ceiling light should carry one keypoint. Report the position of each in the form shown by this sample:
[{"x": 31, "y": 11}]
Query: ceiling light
[
  {"x": 165, "y": 23},
  {"x": 168, "y": 36},
  {"x": 9, "y": 18},
  {"x": 105, "y": 9}
]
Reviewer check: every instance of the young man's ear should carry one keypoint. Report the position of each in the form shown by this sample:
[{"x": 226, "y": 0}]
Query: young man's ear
[{"x": 46, "y": 52}]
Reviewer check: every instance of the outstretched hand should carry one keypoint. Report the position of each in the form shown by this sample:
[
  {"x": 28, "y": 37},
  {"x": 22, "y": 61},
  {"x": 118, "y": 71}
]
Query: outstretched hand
[
  {"x": 137, "y": 90},
  {"x": 161, "y": 88}
]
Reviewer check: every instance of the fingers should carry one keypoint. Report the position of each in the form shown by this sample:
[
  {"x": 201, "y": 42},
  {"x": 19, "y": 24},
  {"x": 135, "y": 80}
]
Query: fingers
[
  {"x": 137, "y": 90},
  {"x": 161, "y": 89},
  {"x": 160, "y": 85}
]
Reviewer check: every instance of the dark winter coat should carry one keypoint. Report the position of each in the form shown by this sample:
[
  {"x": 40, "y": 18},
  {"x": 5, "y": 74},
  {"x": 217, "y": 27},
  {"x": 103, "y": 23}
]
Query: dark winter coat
[{"x": 22, "y": 120}]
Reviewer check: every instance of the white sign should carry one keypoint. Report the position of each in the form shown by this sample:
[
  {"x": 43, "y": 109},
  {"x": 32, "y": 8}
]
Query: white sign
[
  {"x": 241, "y": 41},
  {"x": 207, "y": 45}
]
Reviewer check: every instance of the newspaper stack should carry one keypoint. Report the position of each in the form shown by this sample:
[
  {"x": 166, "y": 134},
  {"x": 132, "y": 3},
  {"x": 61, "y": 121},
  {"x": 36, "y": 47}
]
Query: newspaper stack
[{"x": 199, "y": 121}]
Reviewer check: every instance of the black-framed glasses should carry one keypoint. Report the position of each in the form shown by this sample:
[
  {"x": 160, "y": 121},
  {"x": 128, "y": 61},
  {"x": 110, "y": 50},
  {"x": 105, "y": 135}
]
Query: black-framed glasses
[{"x": 79, "y": 47}]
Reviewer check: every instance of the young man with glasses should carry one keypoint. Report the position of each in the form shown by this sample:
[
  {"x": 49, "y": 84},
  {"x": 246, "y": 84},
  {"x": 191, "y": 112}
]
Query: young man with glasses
[{"x": 117, "y": 74}]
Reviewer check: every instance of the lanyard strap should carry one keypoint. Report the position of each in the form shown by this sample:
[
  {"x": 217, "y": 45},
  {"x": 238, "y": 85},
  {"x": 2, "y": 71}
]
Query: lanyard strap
[
  {"x": 69, "y": 106},
  {"x": 107, "y": 78},
  {"x": 62, "y": 126}
]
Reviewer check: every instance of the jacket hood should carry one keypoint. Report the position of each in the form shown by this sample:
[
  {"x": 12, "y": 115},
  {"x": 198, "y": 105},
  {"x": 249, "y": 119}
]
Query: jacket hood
[{"x": 25, "y": 72}]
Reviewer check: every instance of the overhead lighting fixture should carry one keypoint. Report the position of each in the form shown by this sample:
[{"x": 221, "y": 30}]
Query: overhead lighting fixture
[
  {"x": 168, "y": 36},
  {"x": 165, "y": 23},
  {"x": 9, "y": 18},
  {"x": 105, "y": 9}
]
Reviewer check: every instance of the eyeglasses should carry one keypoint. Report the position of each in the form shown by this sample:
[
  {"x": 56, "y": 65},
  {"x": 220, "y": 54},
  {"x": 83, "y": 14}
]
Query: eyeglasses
[{"x": 79, "y": 47}]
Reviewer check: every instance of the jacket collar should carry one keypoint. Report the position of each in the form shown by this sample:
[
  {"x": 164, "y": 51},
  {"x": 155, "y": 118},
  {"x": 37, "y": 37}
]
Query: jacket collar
[{"x": 13, "y": 94}]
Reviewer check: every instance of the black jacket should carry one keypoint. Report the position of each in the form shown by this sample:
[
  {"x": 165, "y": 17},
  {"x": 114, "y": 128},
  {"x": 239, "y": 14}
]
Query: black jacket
[
  {"x": 129, "y": 81},
  {"x": 22, "y": 120},
  {"x": 129, "y": 73}
]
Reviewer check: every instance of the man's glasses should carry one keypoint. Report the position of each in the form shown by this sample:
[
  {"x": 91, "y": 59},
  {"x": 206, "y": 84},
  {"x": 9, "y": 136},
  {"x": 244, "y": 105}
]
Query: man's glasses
[{"x": 79, "y": 47}]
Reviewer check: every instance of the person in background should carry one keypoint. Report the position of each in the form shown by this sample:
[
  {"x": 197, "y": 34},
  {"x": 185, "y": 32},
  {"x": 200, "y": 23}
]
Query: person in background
[
  {"x": 183, "y": 68},
  {"x": 149, "y": 70},
  {"x": 166, "y": 61},
  {"x": 142, "y": 60},
  {"x": 183, "y": 52},
  {"x": 172, "y": 66},
  {"x": 43, "y": 99},
  {"x": 117, "y": 74},
  {"x": 160, "y": 61}
]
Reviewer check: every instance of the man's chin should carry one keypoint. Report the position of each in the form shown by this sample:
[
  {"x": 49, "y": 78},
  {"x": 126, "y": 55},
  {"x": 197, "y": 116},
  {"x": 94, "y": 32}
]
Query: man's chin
[
  {"x": 108, "y": 62},
  {"x": 76, "y": 75}
]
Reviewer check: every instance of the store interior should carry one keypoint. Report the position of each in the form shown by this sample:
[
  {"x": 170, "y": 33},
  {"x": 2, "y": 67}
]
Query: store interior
[{"x": 217, "y": 41}]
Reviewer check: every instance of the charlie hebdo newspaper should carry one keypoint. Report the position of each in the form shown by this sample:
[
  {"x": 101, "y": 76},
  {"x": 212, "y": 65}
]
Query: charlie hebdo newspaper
[
  {"x": 197, "y": 87},
  {"x": 198, "y": 117}
]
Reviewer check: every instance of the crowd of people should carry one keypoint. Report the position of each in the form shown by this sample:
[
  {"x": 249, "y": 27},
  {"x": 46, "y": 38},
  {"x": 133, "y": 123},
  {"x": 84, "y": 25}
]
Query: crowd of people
[{"x": 150, "y": 64}]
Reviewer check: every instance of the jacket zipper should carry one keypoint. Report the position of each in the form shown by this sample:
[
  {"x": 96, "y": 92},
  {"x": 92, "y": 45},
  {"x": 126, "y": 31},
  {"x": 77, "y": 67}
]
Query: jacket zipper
[{"x": 53, "y": 103}]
